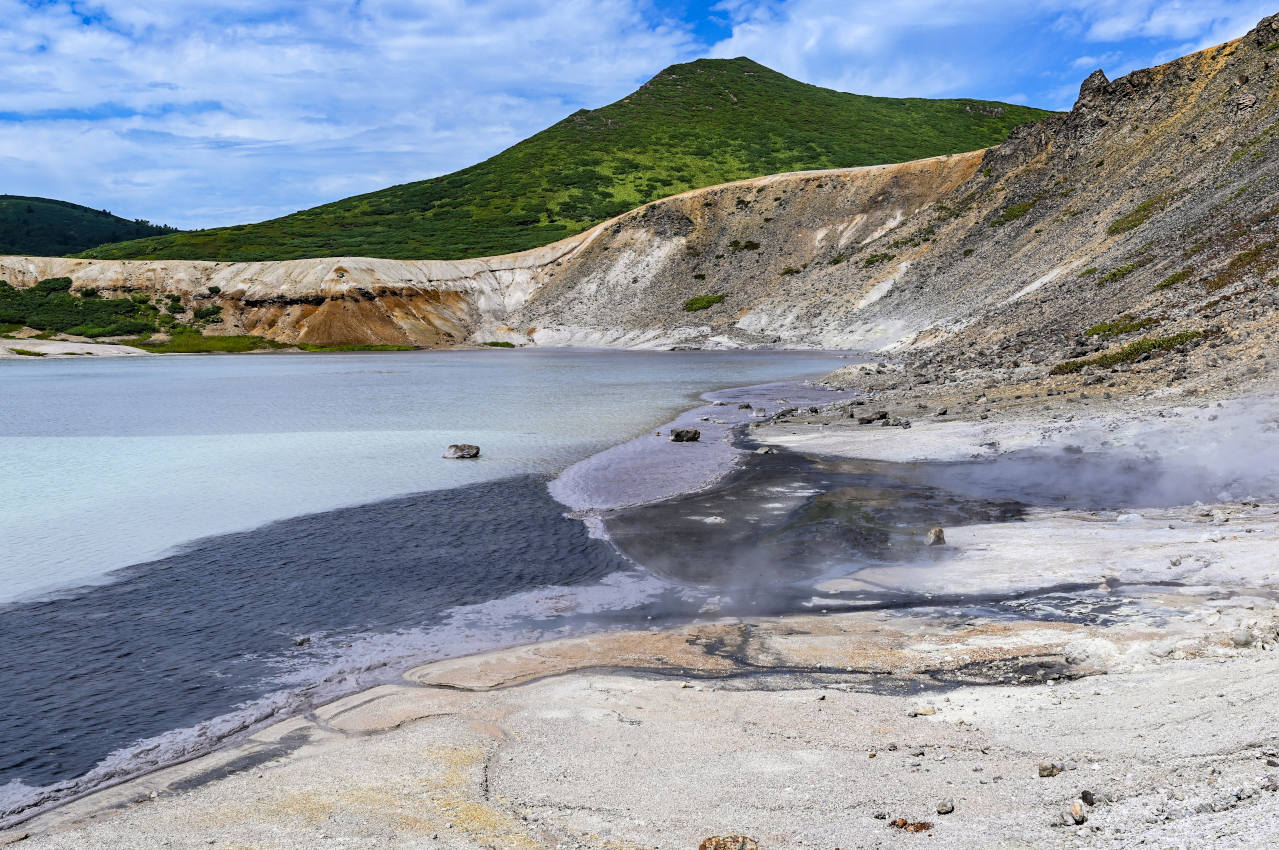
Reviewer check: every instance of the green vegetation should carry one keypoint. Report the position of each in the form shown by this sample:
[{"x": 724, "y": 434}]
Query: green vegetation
[
  {"x": 46, "y": 228},
  {"x": 748, "y": 245},
  {"x": 1273, "y": 46},
  {"x": 1128, "y": 353},
  {"x": 1143, "y": 213},
  {"x": 1089, "y": 272},
  {"x": 790, "y": 270},
  {"x": 1119, "y": 327},
  {"x": 701, "y": 302},
  {"x": 1173, "y": 279},
  {"x": 692, "y": 125},
  {"x": 1121, "y": 272},
  {"x": 194, "y": 342},
  {"x": 26, "y": 352},
  {"x": 877, "y": 258},
  {"x": 499, "y": 344},
  {"x": 1013, "y": 212},
  {"x": 51, "y": 306},
  {"x": 1259, "y": 259}
]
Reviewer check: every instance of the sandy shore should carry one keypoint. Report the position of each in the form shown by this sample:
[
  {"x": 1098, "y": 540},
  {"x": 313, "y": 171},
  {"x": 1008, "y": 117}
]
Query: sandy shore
[
  {"x": 62, "y": 348},
  {"x": 1144, "y": 692}
]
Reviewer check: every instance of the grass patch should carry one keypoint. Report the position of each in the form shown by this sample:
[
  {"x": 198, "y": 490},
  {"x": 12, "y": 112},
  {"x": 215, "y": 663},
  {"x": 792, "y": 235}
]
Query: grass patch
[
  {"x": 877, "y": 258},
  {"x": 26, "y": 352},
  {"x": 692, "y": 125},
  {"x": 1128, "y": 353},
  {"x": 837, "y": 259},
  {"x": 701, "y": 302},
  {"x": 790, "y": 270},
  {"x": 1089, "y": 272},
  {"x": 1260, "y": 259},
  {"x": 1121, "y": 272},
  {"x": 190, "y": 342},
  {"x": 1143, "y": 213},
  {"x": 1012, "y": 213},
  {"x": 1119, "y": 327},
  {"x": 499, "y": 344},
  {"x": 748, "y": 245},
  {"x": 1173, "y": 279}
]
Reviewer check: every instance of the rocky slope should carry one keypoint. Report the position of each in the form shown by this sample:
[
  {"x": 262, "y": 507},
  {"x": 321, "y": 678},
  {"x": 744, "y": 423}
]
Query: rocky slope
[{"x": 1146, "y": 213}]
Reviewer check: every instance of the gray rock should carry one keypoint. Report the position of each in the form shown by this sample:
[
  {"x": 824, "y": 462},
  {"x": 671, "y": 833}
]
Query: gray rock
[
  {"x": 1050, "y": 768},
  {"x": 685, "y": 435},
  {"x": 1241, "y": 637},
  {"x": 946, "y": 806},
  {"x": 1076, "y": 812},
  {"x": 937, "y": 537},
  {"x": 462, "y": 450},
  {"x": 746, "y": 405}
]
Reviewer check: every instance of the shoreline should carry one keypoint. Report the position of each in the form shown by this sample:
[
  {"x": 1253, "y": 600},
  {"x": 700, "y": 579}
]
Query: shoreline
[
  {"x": 724, "y": 465},
  {"x": 769, "y": 663}
]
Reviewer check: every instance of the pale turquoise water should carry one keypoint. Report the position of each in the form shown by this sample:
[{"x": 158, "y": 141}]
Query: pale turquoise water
[{"x": 111, "y": 462}]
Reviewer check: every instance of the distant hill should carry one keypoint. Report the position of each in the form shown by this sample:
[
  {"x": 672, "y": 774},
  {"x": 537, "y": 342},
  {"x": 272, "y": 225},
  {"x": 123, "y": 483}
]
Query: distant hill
[
  {"x": 692, "y": 125},
  {"x": 47, "y": 228}
]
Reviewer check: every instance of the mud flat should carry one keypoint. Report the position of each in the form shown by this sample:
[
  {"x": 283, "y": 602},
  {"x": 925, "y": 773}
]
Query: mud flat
[{"x": 1129, "y": 658}]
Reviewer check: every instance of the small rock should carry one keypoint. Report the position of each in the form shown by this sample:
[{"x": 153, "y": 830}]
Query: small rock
[
  {"x": 1076, "y": 812},
  {"x": 946, "y": 806},
  {"x": 728, "y": 842},
  {"x": 746, "y": 405},
  {"x": 922, "y": 711},
  {"x": 766, "y": 450},
  {"x": 942, "y": 411},
  {"x": 685, "y": 435},
  {"x": 301, "y": 641},
  {"x": 1241, "y": 637},
  {"x": 462, "y": 450},
  {"x": 937, "y": 537},
  {"x": 1088, "y": 797},
  {"x": 1050, "y": 768}
]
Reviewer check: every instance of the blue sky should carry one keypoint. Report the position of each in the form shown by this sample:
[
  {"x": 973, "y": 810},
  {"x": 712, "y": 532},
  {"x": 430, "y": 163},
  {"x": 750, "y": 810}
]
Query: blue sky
[{"x": 210, "y": 112}]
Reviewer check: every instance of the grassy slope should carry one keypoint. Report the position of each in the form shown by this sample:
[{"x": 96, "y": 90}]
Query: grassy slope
[
  {"x": 43, "y": 227},
  {"x": 692, "y": 125}
]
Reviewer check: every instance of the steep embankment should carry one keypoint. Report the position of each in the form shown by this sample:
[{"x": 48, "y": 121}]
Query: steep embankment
[
  {"x": 692, "y": 125},
  {"x": 1146, "y": 213},
  {"x": 333, "y": 301}
]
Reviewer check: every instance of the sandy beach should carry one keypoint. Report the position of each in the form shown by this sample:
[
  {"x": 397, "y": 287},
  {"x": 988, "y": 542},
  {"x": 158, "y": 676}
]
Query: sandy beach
[{"x": 1126, "y": 704}]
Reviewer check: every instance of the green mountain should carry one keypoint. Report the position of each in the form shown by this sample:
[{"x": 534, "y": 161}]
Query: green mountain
[
  {"x": 42, "y": 227},
  {"x": 692, "y": 125}
]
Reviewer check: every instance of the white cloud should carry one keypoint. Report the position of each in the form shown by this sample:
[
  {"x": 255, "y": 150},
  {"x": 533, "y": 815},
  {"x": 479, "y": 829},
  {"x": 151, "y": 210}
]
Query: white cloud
[{"x": 201, "y": 112}]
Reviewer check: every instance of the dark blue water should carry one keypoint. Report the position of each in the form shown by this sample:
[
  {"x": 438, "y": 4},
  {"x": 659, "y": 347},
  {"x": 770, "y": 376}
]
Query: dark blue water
[{"x": 188, "y": 638}]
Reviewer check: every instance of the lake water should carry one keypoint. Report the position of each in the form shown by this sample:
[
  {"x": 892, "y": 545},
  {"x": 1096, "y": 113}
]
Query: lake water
[{"x": 169, "y": 528}]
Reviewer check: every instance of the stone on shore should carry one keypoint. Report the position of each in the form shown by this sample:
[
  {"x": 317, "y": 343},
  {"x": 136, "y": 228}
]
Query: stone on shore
[
  {"x": 728, "y": 842},
  {"x": 937, "y": 537},
  {"x": 462, "y": 450},
  {"x": 685, "y": 435},
  {"x": 946, "y": 806}
]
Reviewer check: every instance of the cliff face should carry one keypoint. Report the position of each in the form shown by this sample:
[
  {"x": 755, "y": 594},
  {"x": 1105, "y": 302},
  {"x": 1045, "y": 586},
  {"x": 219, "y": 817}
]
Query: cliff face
[
  {"x": 1149, "y": 209},
  {"x": 326, "y": 301}
]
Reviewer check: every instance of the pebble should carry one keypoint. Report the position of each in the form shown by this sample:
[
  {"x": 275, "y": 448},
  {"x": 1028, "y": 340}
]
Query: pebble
[
  {"x": 1050, "y": 768},
  {"x": 947, "y": 806},
  {"x": 922, "y": 711}
]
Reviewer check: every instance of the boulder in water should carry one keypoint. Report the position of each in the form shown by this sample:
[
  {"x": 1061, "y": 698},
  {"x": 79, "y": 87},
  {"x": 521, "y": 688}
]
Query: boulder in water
[
  {"x": 685, "y": 435},
  {"x": 462, "y": 450},
  {"x": 937, "y": 537}
]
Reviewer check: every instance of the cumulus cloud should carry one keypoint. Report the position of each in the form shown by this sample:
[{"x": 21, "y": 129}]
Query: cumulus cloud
[
  {"x": 201, "y": 112},
  {"x": 209, "y": 112}
]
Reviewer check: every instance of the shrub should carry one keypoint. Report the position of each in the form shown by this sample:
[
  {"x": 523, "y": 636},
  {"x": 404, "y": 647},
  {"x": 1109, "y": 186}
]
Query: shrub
[
  {"x": 1140, "y": 215},
  {"x": 214, "y": 290},
  {"x": 208, "y": 314},
  {"x": 26, "y": 352},
  {"x": 1012, "y": 213},
  {"x": 1173, "y": 279},
  {"x": 51, "y": 307},
  {"x": 497, "y": 343},
  {"x": 1120, "y": 326},
  {"x": 1120, "y": 272},
  {"x": 877, "y": 258},
  {"x": 748, "y": 245},
  {"x": 701, "y": 302},
  {"x": 1128, "y": 353},
  {"x": 699, "y": 277},
  {"x": 1089, "y": 272},
  {"x": 790, "y": 270}
]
